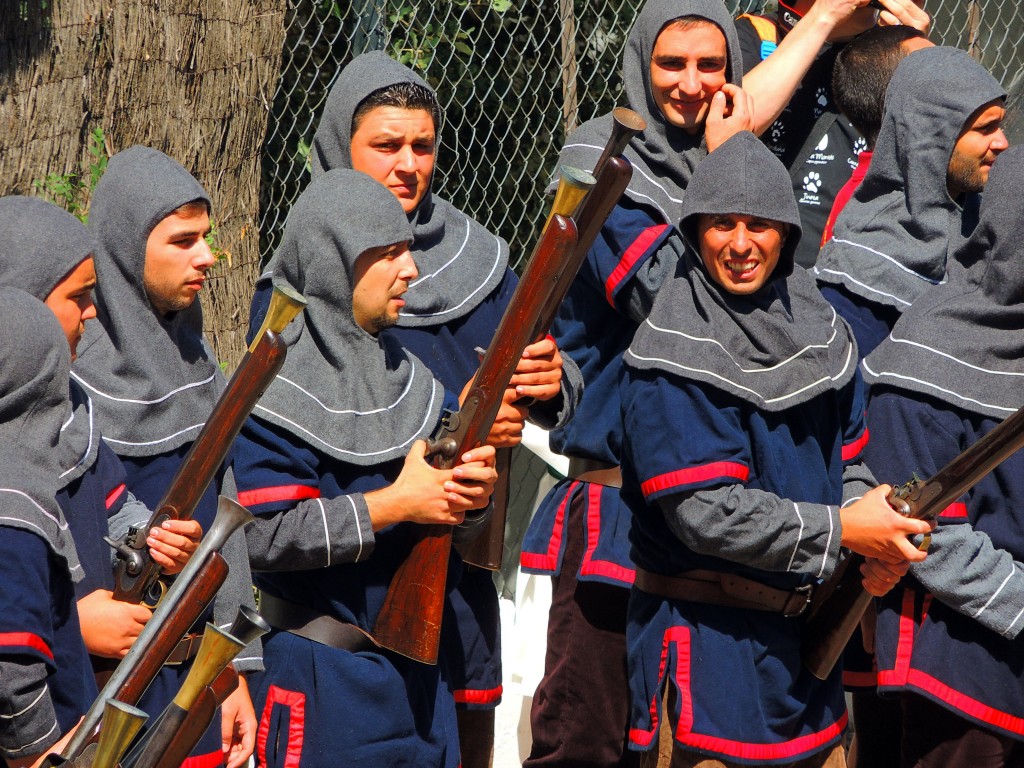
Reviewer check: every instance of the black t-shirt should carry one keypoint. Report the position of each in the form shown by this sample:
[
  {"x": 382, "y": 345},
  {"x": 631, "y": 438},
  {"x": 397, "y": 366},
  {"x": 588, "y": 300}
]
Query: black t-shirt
[{"x": 830, "y": 164}]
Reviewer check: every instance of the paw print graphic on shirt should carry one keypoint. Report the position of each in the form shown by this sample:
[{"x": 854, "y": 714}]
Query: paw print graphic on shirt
[
  {"x": 812, "y": 182},
  {"x": 778, "y": 132},
  {"x": 860, "y": 145},
  {"x": 822, "y": 97}
]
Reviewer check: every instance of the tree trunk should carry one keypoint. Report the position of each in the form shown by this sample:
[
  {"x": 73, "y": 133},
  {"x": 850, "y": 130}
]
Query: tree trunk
[{"x": 192, "y": 78}]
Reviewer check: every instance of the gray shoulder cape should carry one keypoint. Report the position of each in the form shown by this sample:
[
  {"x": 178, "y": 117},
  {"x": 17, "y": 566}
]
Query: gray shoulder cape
[
  {"x": 153, "y": 379},
  {"x": 460, "y": 262},
  {"x": 892, "y": 239},
  {"x": 663, "y": 156},
  {"x": 351, "y": 395},
  {"x": 775, "y": 349},
  {"x": 39, "y": 245},
  {"x": 963, "y": 342},
  {"x": 35, "y": 362}
]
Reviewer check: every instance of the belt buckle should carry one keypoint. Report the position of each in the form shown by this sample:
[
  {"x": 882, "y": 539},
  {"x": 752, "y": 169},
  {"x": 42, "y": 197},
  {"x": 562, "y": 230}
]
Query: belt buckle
[{"x": 804, "y": 595}]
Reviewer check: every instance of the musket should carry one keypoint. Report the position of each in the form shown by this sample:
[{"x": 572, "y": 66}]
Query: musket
[
  {"x": 611, "y": 173},
  {"x": 122, "y": 721},
  {"x": 217, "y": 649},
  {"x": 409, "y": 621},
  {"x": 136, "y": 575},
  {"x": 185, "y": 601},
  {"x": 830, "y": 626}
]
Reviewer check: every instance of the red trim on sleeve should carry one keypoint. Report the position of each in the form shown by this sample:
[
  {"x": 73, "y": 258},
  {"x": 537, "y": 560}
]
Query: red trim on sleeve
[
  {"x": 954, "y": 511},
  {"x": 717, "y": 469},
  {"x": 629, "y": 259},
  {"x": 595, "y": 567},
  {"x": 852, "y": 450},
  {"x": 549, "y": 560},
  {"x": 209, "y": 760},
  {"x": 277, "y": 493},
  {"x": 477, "y": 696},
  {"x": 25, "y": 640},
  {"x": 114, "y": 494},
  {"x": 296, "y": 703}
]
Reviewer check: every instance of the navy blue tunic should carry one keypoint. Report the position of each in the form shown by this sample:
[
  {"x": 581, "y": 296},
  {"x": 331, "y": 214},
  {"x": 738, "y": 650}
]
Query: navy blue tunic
[
  {"x": 594, "y": 326},
  {"x": 682, "y": 438},
  {"x": 922, "y": 644}
]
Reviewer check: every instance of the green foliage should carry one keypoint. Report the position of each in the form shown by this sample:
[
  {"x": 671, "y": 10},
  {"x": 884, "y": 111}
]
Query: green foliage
[{"x": 71, "y": 191}]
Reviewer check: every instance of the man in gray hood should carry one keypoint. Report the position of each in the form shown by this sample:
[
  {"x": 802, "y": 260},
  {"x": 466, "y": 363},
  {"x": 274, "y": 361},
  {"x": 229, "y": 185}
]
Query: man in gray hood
[
  {"x": 940, "y": 134},
  {"x": 743, "y": 418}
]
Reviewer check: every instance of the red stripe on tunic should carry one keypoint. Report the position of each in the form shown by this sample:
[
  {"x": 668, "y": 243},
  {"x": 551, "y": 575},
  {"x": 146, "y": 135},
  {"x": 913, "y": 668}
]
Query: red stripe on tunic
[
  {"x": 296, "y": 703},
  {"x": 904, "y": 644},
  {"x": 591, "y": 566},
  {"x": 277, "y": 493},
  {"x": 781, "y": 750},
  {"x": 114, "y": 494},
  {"x": 629, "y": 259},
  {"x": 680, "y": 637},
  {"x": 209, "y": 760},
  {"x": 961, "y": 701},
  {"x": 470, "y": 696},
  {"x": 695, "y": 475},
  {"x": 852, "y": 450},
  {"x": 25, "y": 640},
  {"x": 549, "y": 560},
  {"x": 955, "y": 510}
]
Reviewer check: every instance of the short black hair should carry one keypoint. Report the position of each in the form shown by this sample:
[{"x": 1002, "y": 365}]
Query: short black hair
[
  {"x": 862, "y": 73},
  {"x": 405, "y": 95}
]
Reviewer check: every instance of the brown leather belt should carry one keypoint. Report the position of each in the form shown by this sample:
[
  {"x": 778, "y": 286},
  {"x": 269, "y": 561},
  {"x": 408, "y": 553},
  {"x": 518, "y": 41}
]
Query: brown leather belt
[
  {"x": 186, "y": 648},
  {"x": 726, "y": 589},
  {"x": 313, "y": 625},
  {"x": 593, "y": 471}
]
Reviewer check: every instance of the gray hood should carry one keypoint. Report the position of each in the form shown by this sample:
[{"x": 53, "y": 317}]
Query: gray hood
[
  {"x": 775, "y": 349},
  {"x": 34, "y": 366},
  {"x": 153, "y": 379},
  {"x": 459, "y": 261},
  {"x": 663, "y": 156},
  {"x": 39, "y": 245},
  {"x": 963, "y": 342},
  {"x": 891, "y": 240},
  {"x": 356, "y": 397}
]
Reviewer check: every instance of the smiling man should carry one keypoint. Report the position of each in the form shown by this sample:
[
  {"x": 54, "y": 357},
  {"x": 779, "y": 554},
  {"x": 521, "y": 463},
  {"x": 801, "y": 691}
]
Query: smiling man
[
  {"x": 941, "y": 131},
  {"x": 744, "y": 424},
  {"x": 153, "y": 379}
]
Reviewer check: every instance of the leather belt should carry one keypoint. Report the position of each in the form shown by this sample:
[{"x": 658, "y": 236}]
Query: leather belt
[
  {"x": 313, "y": 625},
  {"x": 594, "y": 471},
  {"x": 186, "y": 648},
  {"x": 726, "y": 589}
]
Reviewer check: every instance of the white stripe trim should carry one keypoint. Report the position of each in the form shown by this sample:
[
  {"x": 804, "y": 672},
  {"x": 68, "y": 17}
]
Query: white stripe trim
[
  {"x": 348, "y": 411},
  {"x": 996, "y": 593},
  {"x": 893, "y": 261},
  {"x": 31, "y": 704},
  {"x": 865, "y": 286},
  {"x": 828, "y": 541},
  {"x": 47, "y": 515},
  {"x": 170, "y": 394},
  {"x": 88, "y": 447},
  {"x": 180, "y": 432},
  {"x": 408, "y": 441},
  {"x": 359, "y": 528},
  {"x": 633, "y": 191},
  {"x": 327, "y": 529},
  {"x": 1015, "y": 620},
  {"x": 469, "y": 297},
  {"x": 898, "y": 377},
  {"x": 799, "y": 537}
]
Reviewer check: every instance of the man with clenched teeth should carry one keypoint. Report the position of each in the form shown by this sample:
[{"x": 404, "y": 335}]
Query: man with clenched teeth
[{"x": 743, "y": 424}]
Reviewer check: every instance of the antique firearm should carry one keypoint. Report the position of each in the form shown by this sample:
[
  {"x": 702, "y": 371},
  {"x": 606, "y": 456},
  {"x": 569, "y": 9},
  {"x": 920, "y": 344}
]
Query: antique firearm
[
  {"x": 185, "y": 601},
  {"x": 216, "y": 650},
  {"x": 830, "y": 625},
  {"x": 136, "y": 576},
  {"x": 612, "y": 173}
]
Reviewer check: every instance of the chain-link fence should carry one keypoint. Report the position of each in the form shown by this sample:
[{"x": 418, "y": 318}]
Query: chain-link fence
[{"x": 512, "y": 77}]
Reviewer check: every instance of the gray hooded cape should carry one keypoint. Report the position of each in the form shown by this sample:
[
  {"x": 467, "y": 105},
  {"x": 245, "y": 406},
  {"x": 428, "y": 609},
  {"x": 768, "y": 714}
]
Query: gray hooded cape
[
  {"x": 39, "y": 245},
  {"x": 891, "y": 240},
  {"x": 777, "y": 348},
  {"x": 963, "y": 342},
  {"x": 663, "y": 156},
  {"x": 35, "y": 363},
  {"x": 351, "y": 395},
  {"x": 460, "y": 262},
  {"x": 153, "y": 379}
]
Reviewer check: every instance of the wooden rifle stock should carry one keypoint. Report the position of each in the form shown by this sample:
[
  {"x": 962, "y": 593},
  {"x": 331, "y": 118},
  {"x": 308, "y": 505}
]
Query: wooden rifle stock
[
  {"x": 186, "y": 600},
  {"x": 612, "y": 174},
  {"x": 829, "y": 628},
  {"x": 136, "y": 576},
  {"x": 409, "y": 622}
]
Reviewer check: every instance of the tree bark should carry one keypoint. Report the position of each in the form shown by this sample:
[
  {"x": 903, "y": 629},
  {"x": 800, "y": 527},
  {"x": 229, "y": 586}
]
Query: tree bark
[{"x": 192, "y": 78}]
